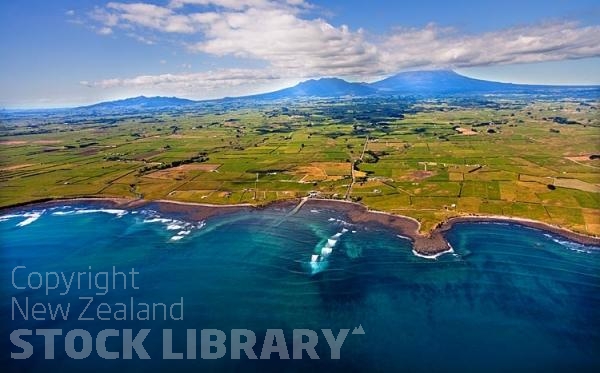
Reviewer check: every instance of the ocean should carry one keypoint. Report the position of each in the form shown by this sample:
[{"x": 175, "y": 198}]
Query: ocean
[{"x": 507, "y": 297}]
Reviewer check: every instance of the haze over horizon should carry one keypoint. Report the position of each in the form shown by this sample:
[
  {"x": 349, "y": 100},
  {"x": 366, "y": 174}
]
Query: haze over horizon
[{"x": 70, "y": 53}]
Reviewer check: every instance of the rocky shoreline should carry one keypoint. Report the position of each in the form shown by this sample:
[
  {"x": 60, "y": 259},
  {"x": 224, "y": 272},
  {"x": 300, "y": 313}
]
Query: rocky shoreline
[
  {"x": 429, "y": 245},
  {"x": 434, "y": 242}
]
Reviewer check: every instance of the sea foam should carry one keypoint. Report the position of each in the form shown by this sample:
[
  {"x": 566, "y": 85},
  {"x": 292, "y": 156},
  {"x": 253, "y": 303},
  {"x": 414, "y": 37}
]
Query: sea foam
[
  {"x": 433, "y": 256},
  {"x": 9, "y": 216},
  {"x": 78, "y": 211},
  {"x": 318, "y": 262},
  {"x": 31, "y": 217},
  {"x": 184, "y": 228},
  {"x": 574, "y": 246}
]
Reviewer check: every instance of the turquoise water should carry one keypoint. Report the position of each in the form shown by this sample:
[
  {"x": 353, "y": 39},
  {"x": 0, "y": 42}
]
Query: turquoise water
[{"x": 509, "y": 297}]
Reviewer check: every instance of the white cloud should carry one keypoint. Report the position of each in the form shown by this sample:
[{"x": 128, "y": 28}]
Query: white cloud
[
  {"x": 105, "y": 31},
  {"x": 152, "y": 16},
  {"x": 141, "y": 39},
  {"x": 260, "y": 29},
  {"x": 229, "y": 4},
  {"x": 104, "y": 17},
  {"x": 433, "y": 46},
  {"x": 274, "y": 31},
  {"x": 202, "y": 84},
  {"x": 240, "y": 5},
  {"x": 303, "y": 47},
  {"x": 282, "y": 35}
]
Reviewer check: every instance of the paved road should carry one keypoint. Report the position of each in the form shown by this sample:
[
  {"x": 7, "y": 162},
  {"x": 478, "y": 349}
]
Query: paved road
[{"x": 349, "y": 190}]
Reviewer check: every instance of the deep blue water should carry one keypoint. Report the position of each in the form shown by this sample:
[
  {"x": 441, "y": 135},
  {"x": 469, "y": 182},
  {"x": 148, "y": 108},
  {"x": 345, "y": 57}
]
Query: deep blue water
[{"x": 509, "y": 297}]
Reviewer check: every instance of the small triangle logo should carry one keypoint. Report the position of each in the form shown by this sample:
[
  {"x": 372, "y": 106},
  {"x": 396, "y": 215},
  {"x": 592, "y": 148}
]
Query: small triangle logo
[{"x": 359, "y": 330}]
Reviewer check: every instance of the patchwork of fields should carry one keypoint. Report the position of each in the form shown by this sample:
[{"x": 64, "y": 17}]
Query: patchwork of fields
[{"x": 436, "y": 160}]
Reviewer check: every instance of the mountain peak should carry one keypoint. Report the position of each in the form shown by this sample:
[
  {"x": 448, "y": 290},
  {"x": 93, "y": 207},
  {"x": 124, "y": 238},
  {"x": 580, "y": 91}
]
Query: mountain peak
[
  {"x": 322, "y": 87},
  {"x": 328, "y": 81},
  {"x": 436, "y": 82}
]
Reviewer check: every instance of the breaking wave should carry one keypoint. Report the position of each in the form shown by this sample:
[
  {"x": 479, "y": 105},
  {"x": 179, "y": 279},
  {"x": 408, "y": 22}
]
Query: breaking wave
[
  {"x": 30, "y": 217},
  {"x": 183, "y": 228},
  {"x": 318, "y": 262},
  {"x": 80, "y": 211},
  {"x": 434, "y": 256},
  {"x": 573, "y": 246}
]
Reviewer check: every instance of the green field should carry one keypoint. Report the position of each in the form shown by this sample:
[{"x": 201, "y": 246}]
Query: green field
[{"x": 515, "y": 160}]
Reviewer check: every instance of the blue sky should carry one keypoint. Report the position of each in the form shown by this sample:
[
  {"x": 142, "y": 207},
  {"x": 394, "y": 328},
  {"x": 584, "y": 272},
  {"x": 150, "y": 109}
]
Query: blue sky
[{"x": 72, "y": 52}]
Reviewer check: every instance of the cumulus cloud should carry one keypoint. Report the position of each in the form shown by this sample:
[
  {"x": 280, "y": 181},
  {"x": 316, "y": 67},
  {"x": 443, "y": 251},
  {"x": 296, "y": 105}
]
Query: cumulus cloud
[
  {"x": 289, "y": 41},
  {"x": 266, "y": 30},
  {"x": 151, "y": 16}
]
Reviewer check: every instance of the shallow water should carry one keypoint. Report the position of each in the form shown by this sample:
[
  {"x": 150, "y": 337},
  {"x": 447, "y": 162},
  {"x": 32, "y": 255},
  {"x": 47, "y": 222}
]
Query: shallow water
[{"x": 509, "y": 297}]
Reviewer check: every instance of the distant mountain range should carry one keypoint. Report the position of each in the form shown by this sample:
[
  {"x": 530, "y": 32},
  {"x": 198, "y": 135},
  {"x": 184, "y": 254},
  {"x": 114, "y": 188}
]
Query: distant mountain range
[
  {"x": 414, "y": 83},
  {"x": 141, "y": 102},
  {"x": 436, "y": 83}
]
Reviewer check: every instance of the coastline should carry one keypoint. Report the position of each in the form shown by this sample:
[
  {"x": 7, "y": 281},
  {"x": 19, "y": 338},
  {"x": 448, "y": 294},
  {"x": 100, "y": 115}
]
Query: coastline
[
  {"x": 433, "y": 243},
  {"x": 428, "y": 245}
]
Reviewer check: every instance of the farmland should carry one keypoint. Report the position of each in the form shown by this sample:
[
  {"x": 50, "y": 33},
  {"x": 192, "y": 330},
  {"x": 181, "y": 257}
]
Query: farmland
[{"x": 430, "y": 160}]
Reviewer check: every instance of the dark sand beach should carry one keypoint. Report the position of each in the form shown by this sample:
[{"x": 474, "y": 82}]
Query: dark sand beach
[{"x": 427, "y": 244}]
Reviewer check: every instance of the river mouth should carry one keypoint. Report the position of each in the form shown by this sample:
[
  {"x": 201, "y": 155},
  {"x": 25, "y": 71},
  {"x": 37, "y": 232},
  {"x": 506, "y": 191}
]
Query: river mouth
[{"x": 507, "y": 296}]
